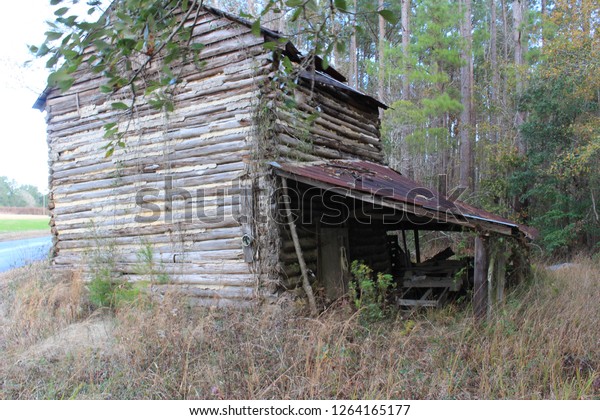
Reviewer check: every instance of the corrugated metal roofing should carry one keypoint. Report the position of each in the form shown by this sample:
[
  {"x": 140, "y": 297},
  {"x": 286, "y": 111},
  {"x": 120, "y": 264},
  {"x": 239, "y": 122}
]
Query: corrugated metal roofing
[{"x": 391, "y": 187}]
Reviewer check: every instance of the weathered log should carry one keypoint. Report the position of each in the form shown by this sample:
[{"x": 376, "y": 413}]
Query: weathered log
[
  {"x": 305, "y": 280},
  {"x": 316, "y": 136}
]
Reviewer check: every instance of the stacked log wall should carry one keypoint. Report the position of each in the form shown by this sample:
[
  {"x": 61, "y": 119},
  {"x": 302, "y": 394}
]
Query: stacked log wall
[
  {"x": 211, "y": 147},
  {"x": 323, "y": 125},
  {"x": 327, "y": 124},
  {"x": 199, "y": 154}
]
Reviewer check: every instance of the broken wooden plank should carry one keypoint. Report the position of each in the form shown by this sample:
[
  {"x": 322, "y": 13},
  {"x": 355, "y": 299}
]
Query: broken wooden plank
[
  {"x": 428, "y": 282},
  {"x": 440, "y": 257},
  {"x": 418, "y": 303}
]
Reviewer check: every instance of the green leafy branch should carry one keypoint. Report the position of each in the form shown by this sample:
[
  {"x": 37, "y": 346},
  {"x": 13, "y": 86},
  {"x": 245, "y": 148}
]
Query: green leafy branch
[
  {"x": 316, "y": 19},
  {"x": 120, "y": 46}
]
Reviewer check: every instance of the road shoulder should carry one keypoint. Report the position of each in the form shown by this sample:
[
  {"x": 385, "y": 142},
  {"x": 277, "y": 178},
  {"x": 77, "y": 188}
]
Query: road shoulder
[{"x": 15, "y": 236}]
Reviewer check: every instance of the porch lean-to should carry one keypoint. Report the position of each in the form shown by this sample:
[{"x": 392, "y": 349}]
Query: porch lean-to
[{"x": 350, "y": 210}]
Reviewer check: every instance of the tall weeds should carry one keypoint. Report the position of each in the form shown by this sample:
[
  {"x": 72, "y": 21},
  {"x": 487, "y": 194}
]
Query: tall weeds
[{"x": 542, "y": 343}]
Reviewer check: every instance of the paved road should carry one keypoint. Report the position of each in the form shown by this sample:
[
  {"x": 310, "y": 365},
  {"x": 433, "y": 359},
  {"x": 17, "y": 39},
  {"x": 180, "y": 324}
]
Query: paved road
[{"x": 15, "y": 254}]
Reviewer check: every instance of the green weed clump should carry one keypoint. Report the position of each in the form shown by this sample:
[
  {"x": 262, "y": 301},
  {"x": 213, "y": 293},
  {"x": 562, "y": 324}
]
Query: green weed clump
[
  {"x": 107, "y": 293},
  {"x": 108, "y": 288},
  {"x": 370, "y": 296}
]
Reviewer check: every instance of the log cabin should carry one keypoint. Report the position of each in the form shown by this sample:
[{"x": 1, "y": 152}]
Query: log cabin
[{"x": 235, "y": 196}]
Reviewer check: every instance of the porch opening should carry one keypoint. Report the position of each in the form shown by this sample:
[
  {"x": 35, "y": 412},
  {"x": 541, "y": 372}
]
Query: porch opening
[{"x": 344, "y": 212}]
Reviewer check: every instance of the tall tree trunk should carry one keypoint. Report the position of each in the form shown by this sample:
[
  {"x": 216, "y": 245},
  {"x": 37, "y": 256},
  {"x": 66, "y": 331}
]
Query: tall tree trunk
[
  {"x": 274, "y": 20},
  {"x": 587, "y": 10},
  {"x": 336, "y": 55},
  {"x": 381, "y": 59},
  {"x": 495, "y": 74},
  {"x": 282, "y": 24},
  {"x": 518, "y": 38},
  {"x": 504, "y": 83},
  {"x": 505, "y": 30},
  {"x": 353, "y": 65},
  {"x": 466, "y": 91},
  {"x": 543, "y": 17},
  {"x": 517, "y": 10},
  {"x": 472, "y": 111},
  {"x": 405, "y": 49},
  {"x": 405, "y": 163}
]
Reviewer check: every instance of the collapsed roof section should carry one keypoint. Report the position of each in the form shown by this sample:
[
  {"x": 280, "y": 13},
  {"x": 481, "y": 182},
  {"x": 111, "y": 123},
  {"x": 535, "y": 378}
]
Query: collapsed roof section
[{"x": 381, "y": 185}]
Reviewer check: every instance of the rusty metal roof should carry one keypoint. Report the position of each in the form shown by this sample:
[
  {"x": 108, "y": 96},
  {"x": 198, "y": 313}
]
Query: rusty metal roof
[{"x": 368, "y": 181}]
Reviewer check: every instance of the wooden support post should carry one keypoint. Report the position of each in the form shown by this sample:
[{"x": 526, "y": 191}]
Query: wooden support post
[
  {"x": 305, "y": 282},
  {"x": 490, "y": 280},
  {"x": 522, "y": 266},
  {"x": 480, "y": 278},
  {"x": 417, "y": 246},
  {"x": 406, "y": 251},
  {"x": 501, "y": 275}
]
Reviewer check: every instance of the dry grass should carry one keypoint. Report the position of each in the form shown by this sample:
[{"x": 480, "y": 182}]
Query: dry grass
[{"x": 543, "y": 343}]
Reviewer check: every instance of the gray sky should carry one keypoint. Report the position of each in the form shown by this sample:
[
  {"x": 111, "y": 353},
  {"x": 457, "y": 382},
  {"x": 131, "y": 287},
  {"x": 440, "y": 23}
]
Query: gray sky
[{"x": 24, "y": 154}]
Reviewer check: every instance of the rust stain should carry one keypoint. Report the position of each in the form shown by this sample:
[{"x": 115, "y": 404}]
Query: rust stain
[{"x": 384, "y": 182}]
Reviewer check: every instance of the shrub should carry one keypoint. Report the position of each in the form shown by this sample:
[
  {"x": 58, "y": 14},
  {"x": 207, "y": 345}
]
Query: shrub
[
  {"x": 147, "y": 266},
  {"x": 107, "y": 288},
  {"x": 369, "y": 296},
  {"x": 108, "y": 293}
]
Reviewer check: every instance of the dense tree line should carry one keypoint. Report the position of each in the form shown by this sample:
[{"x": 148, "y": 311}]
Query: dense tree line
[
  {"x": 15, "y": 195},
  {"x": 501, "y": 97}
]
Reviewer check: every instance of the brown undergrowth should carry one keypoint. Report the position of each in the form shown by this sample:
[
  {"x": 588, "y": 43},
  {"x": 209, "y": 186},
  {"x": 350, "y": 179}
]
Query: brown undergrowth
[{"x": 544, "y": 342}]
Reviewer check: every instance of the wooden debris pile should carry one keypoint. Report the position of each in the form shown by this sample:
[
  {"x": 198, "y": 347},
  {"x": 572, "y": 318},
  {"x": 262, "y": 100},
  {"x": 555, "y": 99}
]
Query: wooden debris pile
[{"x": 431, "y": 282}]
